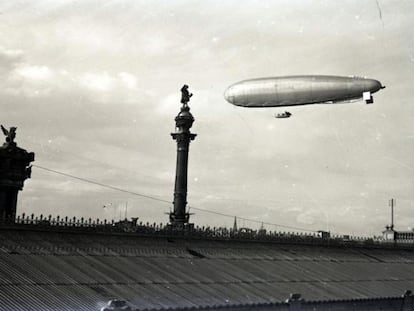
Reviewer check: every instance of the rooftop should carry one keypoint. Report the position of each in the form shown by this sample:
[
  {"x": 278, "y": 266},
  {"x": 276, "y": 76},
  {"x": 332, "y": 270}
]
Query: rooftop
[{"x": 66, "y": 266}]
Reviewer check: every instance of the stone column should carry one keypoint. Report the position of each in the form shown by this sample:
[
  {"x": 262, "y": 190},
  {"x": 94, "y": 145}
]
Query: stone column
[{"x": 183, "y": 136}]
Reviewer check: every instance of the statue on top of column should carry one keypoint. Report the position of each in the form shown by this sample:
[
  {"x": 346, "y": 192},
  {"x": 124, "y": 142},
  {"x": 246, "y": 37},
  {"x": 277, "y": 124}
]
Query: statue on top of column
[
  {"x": 185, "y": 95},
  {"x": 10, "y": 134}
]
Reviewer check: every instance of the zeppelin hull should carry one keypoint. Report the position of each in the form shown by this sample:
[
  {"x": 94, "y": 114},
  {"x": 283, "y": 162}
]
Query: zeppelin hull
[{"x": 299, "y": 90}]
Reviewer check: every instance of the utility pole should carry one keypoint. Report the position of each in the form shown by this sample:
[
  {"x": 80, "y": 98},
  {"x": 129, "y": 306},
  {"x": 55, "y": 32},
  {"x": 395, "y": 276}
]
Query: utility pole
[{"x": 392, "y": 203}]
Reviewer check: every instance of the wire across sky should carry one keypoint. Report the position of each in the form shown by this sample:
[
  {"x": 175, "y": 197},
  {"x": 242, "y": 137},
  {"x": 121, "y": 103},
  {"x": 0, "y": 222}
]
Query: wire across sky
[{"x": 86, "y": 180}]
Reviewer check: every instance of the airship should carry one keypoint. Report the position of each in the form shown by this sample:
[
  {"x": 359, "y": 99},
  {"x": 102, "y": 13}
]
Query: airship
[{"x": 301, "y": 90}]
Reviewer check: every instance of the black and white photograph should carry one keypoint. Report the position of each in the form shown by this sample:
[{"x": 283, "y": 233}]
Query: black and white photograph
[{"x": 176, "y": 155}]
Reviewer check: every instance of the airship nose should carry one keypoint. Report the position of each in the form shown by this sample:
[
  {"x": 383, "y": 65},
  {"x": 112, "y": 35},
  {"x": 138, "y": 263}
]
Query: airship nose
[{"x": 374, "y": 85}]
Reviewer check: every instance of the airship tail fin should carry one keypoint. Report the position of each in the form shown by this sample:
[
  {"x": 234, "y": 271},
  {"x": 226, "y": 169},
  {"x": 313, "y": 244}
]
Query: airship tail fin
[{"x": 367, "y": 97}]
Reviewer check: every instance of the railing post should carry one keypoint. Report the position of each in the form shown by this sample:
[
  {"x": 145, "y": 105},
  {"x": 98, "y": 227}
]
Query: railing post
[{"x": 295, "y": 302}]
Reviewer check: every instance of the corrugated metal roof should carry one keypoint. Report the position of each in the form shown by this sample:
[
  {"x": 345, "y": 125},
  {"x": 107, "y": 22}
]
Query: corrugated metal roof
[{"x": 69, "y": 271}]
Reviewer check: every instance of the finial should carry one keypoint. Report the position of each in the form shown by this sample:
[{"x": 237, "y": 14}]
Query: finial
[
  {"x": 10, "y": 134},
  {"x": 185, "y": 95}
]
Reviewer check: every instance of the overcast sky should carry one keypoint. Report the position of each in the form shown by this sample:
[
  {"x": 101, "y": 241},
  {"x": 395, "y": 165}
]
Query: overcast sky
[{"x": 93, "y": 88}]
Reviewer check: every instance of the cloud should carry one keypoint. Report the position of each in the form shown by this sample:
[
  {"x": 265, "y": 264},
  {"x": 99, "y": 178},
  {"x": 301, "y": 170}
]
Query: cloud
[
  {"x": 129, "y": 79},
  {"x": 34, "y": 72},
  {"x": 100, "y": 82},
  {"x": 20, "y": 78},
  {"x": 29, "y": 81},
  {"x": 41, "y": 81},
  {"x": 105, "y": 87},
  {"x": 9, "y": 57}
]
